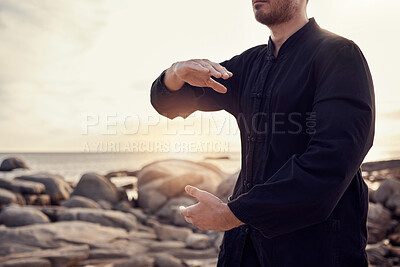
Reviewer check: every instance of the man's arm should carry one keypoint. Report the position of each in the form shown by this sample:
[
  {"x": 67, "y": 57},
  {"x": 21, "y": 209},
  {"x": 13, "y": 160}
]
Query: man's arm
[
  {"x": 193, "y": 85},
  {"x": 306, "y": 189}
]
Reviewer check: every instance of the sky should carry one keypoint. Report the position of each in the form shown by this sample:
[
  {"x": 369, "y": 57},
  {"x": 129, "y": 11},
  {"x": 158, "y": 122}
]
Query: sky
[{"x": 76, "y": 75}]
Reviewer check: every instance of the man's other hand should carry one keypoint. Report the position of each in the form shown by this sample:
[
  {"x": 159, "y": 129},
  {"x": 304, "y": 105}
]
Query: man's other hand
[
  {"x": 196, "y": 72},
  {"x": 210, "y": 213}
]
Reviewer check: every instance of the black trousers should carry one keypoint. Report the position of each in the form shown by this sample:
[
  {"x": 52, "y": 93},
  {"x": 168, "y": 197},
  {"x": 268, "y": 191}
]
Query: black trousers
[{"x": 249, "y": 257}]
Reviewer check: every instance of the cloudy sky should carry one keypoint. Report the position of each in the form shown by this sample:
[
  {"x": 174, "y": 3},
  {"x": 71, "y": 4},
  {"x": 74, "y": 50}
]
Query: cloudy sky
[{"x": 76, "y": 73}]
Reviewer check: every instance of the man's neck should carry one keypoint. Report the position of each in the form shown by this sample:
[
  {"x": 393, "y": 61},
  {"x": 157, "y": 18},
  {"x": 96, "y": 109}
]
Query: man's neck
[{"x": 281, "y": 32}]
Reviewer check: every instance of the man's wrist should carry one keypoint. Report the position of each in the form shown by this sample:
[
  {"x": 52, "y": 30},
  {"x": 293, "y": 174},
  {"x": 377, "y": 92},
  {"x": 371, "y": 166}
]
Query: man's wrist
[
  {"x": 231, "y": 220},
  {"x": 172, "y": 80}
]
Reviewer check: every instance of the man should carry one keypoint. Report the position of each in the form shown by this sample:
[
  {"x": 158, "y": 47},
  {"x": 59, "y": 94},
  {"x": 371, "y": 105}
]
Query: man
[{"x": 304, "y": 104}]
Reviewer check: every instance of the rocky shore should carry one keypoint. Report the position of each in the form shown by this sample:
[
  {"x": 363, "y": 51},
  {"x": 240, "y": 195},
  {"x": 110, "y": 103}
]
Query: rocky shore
[{"x": 101, "y": 221}]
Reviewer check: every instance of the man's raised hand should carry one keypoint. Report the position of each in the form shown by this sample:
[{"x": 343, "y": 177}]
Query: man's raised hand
[{"x": 196, "y": 72}]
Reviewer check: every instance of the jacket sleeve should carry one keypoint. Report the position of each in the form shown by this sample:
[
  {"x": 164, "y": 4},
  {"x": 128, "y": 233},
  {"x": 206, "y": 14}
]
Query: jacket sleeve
[
  {"x": 307, "y": 188},
  {"x": 190, "y": 98}
]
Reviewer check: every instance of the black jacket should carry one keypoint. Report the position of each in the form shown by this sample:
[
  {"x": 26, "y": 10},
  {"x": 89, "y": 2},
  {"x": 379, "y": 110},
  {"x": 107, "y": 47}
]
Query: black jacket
[{"x": 307, "y": 121}]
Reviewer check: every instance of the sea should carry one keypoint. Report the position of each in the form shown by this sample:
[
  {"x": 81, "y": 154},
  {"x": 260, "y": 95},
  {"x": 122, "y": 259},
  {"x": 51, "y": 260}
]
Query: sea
[{"x": 73, "y": 165}]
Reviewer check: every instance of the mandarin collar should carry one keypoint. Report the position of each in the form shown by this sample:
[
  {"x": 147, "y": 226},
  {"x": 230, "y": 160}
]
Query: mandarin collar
[{"x": 292, "y": 40}]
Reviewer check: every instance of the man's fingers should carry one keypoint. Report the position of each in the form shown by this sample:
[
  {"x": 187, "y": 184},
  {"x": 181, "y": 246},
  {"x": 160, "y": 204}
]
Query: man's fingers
[
  {"x": 184, "y": 211},
  {"x": 200, "y": 67},
  {"x": 194, "y": 191},
  {"x": 216, "y": 86},
  {"x": 225, "y": 73},
  {"x": 213, "y": 71},
  {"x": 188, "y": 219}
]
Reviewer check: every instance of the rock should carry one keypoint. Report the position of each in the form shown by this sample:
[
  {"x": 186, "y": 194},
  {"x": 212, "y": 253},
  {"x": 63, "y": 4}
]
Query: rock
[
  {"x": 198, "y": 241},
  {"x": 105, "y": 205},
  {"x": 108, "y": 254},
  {"x": 55, "y": 185},
  {"x": 387, "y": 188},
  {"x": 109, "y": 218},
  {"x": 10, "y": 164},
  {"x": 122, "y": 195},
  {"x": 169, "y": 232},
  {"x": 188, "y": 253},
  {"x": 166, "y": 245},
  {"x": 377, "y": 254},
  {"x": 59, "y": 234},
  {"x": 395, "y": 239},
  {"x": 80, "y": 202},
  {"x": 120, "y": 174},
  {"x": 217, "y": 241},
  {"x": 123, "y": 206},
  {"x": 41, "y": 200},
  {"x": 168, "y": 209},
  {"x": 165, "y": 260},
  {"x": 96, "y": 187},
  {"x": 393, "y": 204},
  {"x": 139, "y": 214},
  {"x": 225, "y": 188},
  {"x": 162, "y": 180},
  {"x": 137, "y": 261},
  {"x": 21, "y": 186},
  {"x": 151, "y": 200},
  {"x": 31, "y": 262},
  {"x": 7, "y": 197},
  {"x": 60, "y": 257},
  {"x": 378, "y": 222},
  {"x": 371, "y": 195},
  {"x": 14, "y": 215},
  {"x": 52, "y": 212}
]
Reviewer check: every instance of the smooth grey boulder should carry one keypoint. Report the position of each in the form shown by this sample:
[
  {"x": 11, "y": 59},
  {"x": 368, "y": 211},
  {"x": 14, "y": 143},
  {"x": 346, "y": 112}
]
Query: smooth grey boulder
[
  {"x": 12, "y": 163},
  {"x": 198, "y": 241},
  {"x": 377, "y": 254},
  {"x": 105, "y": 205},
  {"x": 162, "y": 180},
  {"x": 58, "y": 234},
  {"x": 137, "y": 261},
  {"x": 26, "y": 262},
  {"x": 97, "y": 187},
  {"x": 378, "y": 222},
  {"x": 21, "y": 186},
  {"x": 170, "y": 210},
  {"x": 387, "y": 188},
  {"x": 170, "y": 232},
  {"x": 14, "y": 215},
  {"x": 225, "y": 188},
  {"x": 80, "y": 202},
  {"x": 7, "y": 197},
  {"x": 59, "y": 257},
  {"x": 111, "y": 218},
  {"x": 55, "y": 185},
  {"x": 163, "y": 259},
  {"x": 40, "y": 200}
]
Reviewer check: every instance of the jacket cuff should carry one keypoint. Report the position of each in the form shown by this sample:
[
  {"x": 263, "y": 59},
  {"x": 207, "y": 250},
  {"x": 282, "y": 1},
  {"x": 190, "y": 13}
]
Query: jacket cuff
[{"x": 238, "y": 210}]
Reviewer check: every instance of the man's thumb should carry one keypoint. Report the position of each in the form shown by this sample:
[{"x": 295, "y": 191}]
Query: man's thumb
[{"x": 193, "y": 191}]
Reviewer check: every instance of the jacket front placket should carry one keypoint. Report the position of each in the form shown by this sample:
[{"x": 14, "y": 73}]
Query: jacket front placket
[{"x": 260, "y": 93}]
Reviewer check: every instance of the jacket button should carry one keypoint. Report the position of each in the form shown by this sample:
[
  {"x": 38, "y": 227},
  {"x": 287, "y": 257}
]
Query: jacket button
[
  {"x": 253, "y": 139},
  {"x": 248, "y": 185},
  {"x": 246, "y": 230}
]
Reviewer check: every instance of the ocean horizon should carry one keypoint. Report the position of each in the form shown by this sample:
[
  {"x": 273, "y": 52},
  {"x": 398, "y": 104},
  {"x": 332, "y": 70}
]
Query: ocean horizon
[{"x": 72, "y": 165}]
